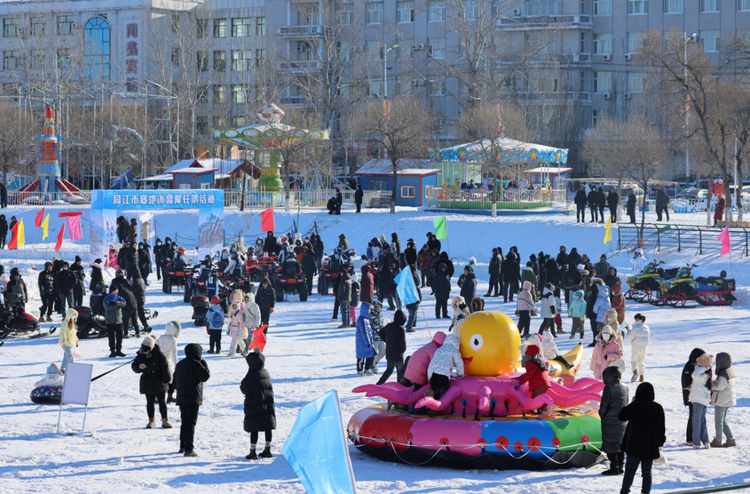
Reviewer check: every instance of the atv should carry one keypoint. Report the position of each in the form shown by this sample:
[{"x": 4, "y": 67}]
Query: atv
[
  {"x": 286, "y": 282},
  {"x": 646, "y": 286}
]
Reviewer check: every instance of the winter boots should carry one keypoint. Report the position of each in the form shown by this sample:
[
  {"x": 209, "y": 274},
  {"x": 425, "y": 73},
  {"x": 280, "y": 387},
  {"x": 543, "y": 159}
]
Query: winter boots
[
  {"x": 635, "y": 376},
  {"x": 151, "y": 423},
  {"x": 716, "y": 443},
  {"x": 266, "y": 453},
  {"x": 165, "y": 423},
  {"x": 731, "y": 443},
  {"x": 252, "y": 456}
]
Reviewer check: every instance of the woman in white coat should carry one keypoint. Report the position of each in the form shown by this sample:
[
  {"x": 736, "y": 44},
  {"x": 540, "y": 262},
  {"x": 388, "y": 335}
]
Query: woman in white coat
[
  {"x": 639, "y": 336},
  {"x": 252, "y": 320},
  {"x": 723, "y": 398},
  {"x": 168, "y": 344},
  {"x": 700, "y": 397}
]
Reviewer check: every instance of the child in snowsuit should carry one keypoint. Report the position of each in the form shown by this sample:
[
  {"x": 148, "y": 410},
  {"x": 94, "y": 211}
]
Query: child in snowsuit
[
  {"x": 614, "y": 396},
  {"x": 364, "y": 343},
  {"x": 168, "y": 344},
  {"x": 189, "y": 375},
  {"x": 152, "y": 365},
  {"x": 395, "y": 346},
  {"x": 260, "y": 410},
  {"x": 606, "y": 352},
  {"x": 549, "y": 349},
  {"x": 377, "y": 322},
  {"x": 237, "y": 329},
  {"x": 640, "y": 336},
  {"x": 214, "y": 325},
  {"x": 601, "y": 306},
  {"x": 536, "y": 371},
  {"x": 723, "y": 397},
  {"x": 525, "y": 308},
  {"x": 68, "y": 337},
  {"x": 577, "y": 313},
  {"x": 445, "y": 358}
]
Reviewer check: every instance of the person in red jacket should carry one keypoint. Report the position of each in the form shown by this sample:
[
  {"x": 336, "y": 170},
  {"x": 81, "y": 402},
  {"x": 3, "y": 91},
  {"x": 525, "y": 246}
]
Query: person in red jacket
[
  {"x": 536, "y": 370},
  {"x": 719, "y": 211},
  {"x": 367, "y": 285}
]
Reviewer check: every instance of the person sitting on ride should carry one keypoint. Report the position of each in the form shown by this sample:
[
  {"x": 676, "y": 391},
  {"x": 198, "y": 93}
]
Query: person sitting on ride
[
  {"x": 639, "y": 261},
  {"x": 179, "y": 259},
  {"x": 223, "y": 260},
  {"x": 234, "y": 269},
  {"x": 536, "y": 370},
  {"x": 259, "y": 246},
  {"x": 291, "y": 266}
]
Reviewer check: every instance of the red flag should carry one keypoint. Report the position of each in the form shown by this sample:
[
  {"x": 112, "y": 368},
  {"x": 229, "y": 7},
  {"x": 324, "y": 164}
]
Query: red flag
[
  {"x": 13, "y": 244},
  {"x": 259, "y": 338},
  {"x": 68, "y": 214},
  {"x": 39, "y": 217},
  {"x": 60, "y": 238},
  {"x": 266, "y": 221}
]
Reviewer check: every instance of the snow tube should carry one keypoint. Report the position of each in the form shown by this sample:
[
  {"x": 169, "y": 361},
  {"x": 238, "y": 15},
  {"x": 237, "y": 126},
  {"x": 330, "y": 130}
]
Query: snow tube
[
  {"x": 569, "y": 439},
  {"x": 47, "y": 395}
]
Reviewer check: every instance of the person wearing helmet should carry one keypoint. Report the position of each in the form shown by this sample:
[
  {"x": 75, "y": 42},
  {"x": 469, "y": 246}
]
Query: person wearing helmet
[
  {"x": 47, "y": 292},
  {"x": 214, "y": 325}
]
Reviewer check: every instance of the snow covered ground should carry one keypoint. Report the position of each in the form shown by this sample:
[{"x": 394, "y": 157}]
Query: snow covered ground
[{"x": 308, "y": 354}]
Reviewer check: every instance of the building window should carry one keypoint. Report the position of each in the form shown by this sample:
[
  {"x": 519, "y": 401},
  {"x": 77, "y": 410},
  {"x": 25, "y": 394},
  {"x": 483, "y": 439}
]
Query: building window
[
  {"x": 260, "y": 27},
  {"x": 437, "y": 86},
  {"x": 201, "y": 128},
  {"x": 709, "y": 6},
  {"x": 602, "y": 7},
  {"x": 603, "y": 43},
  {"x": 374, "y": 12},
  {"x": 220, "y": 28},
  {"x": 710, "y": 40},
  {"x": 405, "y": 11},
  {"x": 673, "y": 6},
  {"x": 405, "y": 48},
  {"x": 37, "y": 59},
  {"x": 470, "y": 9},
  {"x": 583, "y": 43},
  {"x": 242, "y": 26},
  {"x": 220, "y": 61},
  {"x": 436, "y": 10},
  {"x": 635, "y": 82},
  {"x": 635, "y": 41},
  {"x": 241, "y": 60},
  {"x": 374, "y": 50},
  {"x": 201, "y": 95},
  {"x": 10, "y": 59},
  {"x": 404, "y": 86},
  {"x": 743, "y": 4},
  {"x": 220, "y": 93},
  {"x": 176, "y": 57},
  {"x": 201, "y": 61},
  {"x": 637, "y": 6},
  {"x": 63, "y": 58},
  {"x": 64, "y": 25},
  {"x": 375, "y": 88},
  {"x": 543, "y": 7},
  {"x": 436, "y": 47},
  {"x": 238, "y": 93},
  {"x": 36, "y": 26},
  {"x": 260, "y": 56},
  {"x": 598, "y": 116},
  {"x": 408, "y": 192},
  {"x": 96, "y": 46},
  {"x": 602, "y": 82},
  {"x": 239, "y": 121},
  {"x": 346, "y": 15},
  {"x": 10, "y": 28},
  {"x": 201, "y": 27}
]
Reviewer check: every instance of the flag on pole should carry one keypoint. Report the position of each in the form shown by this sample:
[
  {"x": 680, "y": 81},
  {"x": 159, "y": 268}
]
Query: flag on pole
[
  {"x": 441, "y": 228},
  {"x": 608, "y": 231},
  {"x": 74, "y": 227},
  {"x": 259, "y": 338},
  {"x": 45, "y": 227},
  {"x": 405, "y": 287},
  {"x": 20, "y": 235},
  {"x": 60, "y": 238},
  {"x": 266, "y": 221},
  {"x": 724, "y": 238},
  {"x": 13, "y": 244},
  {"x": 316, "y": 448},
  {"x": 38, "y": 218}
]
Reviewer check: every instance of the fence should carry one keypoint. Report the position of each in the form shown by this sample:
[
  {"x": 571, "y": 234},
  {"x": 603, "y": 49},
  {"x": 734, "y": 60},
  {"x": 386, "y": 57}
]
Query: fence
[
  {"x": 48, "y": 199},
  {"x": 482, "y": 199},
  {"x": 681, "y": 237},
  {"x": 298, "y": 198}
]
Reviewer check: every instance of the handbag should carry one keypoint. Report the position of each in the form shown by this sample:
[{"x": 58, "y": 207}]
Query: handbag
[{"x": 76, "y": 353}]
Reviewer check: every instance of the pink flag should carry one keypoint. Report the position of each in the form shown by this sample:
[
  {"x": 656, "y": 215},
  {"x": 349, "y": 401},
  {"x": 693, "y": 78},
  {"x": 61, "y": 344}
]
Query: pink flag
[
  {"x": 74, "y": 227},
  {"x": 724, "y": 238}
]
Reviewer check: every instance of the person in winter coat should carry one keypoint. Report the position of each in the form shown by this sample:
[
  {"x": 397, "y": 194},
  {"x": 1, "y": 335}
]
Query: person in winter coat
[
  {"x": 468, "y": 283},
  {"x": 639, "y": 261},
  {"x": 700, "y": 398},
  {"x": 156, "y": 377},
  {"x": 602, "y": 267},
  {"x": 97, "y": 276},
  {"x": 548, "y": 310},
  {"x": 122, "y": 229},
  {"x": 610, "y": 277},
  {"x": 536, "y": 371},
  {"x": 639, "y": 336},
  {"x": 662, "y": 204},
  {"x": 644, "y": 435},
  {"x": 613, "y": 202},
  {"x": 395, "y": 346},
  {"x": 159, "y": 259},
  {"x": 266, "y": 300},
  {"x": 132, "y": 231},
  {"x": 386, "y": 286},
  {"x": 410, "y": 252},
  {"x": 3, "y": 230},
  {"x": 377, "y": 322},
  {"x": 417, "y": 365},
  {"x": 395, "y": 243},
  {"x": 593, "y": 202},
  {"x": 189, "y": 375},
  {"x": 630, "y": 207},
  {"x": 168, "y": 344},
  {"x": 614, "y": 397},
  {"x": 719, "y": 211},
  {"x": 344, "y": 296},
  {"x": 601, "y": 306},
  {"x": 270, "y": 246},
  {"x": 358, "y": 195},
  {"x": 445, "y": 358},
  {"x": 130, "y": 312},
  {"x": 723, "y": 398},
  {"x": 687, "y": 382},
  {"x": 237, "y": 329},
  {"x": 47, "y": 292},
  {"x": 423, "y": 261},
  {"x": 511, "y": 273},
  {"x": 525, "y": 308},
  {"x": 144, "y": 260},
  {"x": 364, "y": 343},
  {"x": 601, "y": 200},
  {"x": 367, "y": 285},
  {"x": 16, "y": 286},
  {"x": 252, "y": 321},
  {"x": 606, "y": 352},
  {"x": 68, "y": 337},
  {"x": 412, "y": 307},
  {"x": 527, "y": 274},
  {"x": 577, "y": 313},
  {"x": 477, "y": 304},
  {"x": 456, "y": 303},
  {"x": 79, "y": 289},
  {"x": 494, "y": 271},
  {"x": 343, "y": 242},
  {"x": 66, "y": 282},
  {"x": 580, "y": 202},
  {"x": 259, "y": 408},
  {"x": 550, "y": 351},
  {"x": 618, "y": 300},
  {"x": 113, "y": 305},
  {"x": 441, "y": 285},
  {"x": 449, "y": 264},
  {"x": 215, "y": 325},
  {"x": 610, "y": 321},
  {"x": 139, "y": 292}
]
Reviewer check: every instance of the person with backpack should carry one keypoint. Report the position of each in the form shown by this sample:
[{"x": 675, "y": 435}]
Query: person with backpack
[
  {"x": 215, "y": 325},
  {"x": 189, "y": 375}
]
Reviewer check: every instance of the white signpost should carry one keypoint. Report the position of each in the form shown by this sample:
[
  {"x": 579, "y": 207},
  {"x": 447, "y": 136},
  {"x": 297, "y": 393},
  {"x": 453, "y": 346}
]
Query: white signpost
[{"x": 76, "y": 389}]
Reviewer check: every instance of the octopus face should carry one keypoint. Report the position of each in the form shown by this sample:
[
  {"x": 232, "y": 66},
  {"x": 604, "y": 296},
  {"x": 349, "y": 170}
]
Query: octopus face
[{"x": 489, "y": 344}]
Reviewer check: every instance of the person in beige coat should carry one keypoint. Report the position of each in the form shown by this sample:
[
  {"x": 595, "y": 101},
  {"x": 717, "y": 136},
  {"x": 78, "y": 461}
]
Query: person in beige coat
[
  {"x": 723, "y": 398},
  {"x": 68, "y": 337},
  {"x": 252, "y": 320}
]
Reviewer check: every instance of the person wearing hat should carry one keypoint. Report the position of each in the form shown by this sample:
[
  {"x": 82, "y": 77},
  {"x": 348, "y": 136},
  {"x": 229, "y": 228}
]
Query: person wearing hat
[
  {"x": 168, "y": 344},
  {"x": 47, "y": 292},
  {"x": 79, "y": 289},
  {"x": 68, "y": 337},
  {"x": 607, "y": 352},
  {"x": 66, "y": 281},
  {"x": 214, "y": 325},
  {"x": 259, "y": 407},
  {"x": 153, "y": 367},
  {"x": 266, "y": 300},
  {"x": 189, "y": 375},
  {"x": 97, "y": 276},
  {"x": 536, "y": 370},
  {"x": 395, "y": 346},
  {"x": 130, "y": 312},
  {"x": 113, "y": 305}
]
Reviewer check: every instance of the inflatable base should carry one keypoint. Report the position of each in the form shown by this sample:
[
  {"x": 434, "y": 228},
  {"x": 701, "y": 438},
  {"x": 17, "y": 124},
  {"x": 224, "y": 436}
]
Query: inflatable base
[
  {"x": 450, "y": 459},
  {"x": 47, "y": 395}
]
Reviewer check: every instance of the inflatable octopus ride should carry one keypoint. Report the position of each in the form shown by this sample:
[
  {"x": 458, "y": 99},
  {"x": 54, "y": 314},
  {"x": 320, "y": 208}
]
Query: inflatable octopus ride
[{"x": 486, "y": 419}]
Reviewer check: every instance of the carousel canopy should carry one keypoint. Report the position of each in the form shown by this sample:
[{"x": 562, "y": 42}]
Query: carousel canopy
[{"x": 509, "y": 151}]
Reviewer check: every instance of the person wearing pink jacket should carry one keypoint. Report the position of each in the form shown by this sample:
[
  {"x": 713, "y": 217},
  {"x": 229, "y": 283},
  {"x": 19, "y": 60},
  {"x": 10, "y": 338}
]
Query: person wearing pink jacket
[
  {"x": 419, "y": 362},
  {"x": 606, "y": 352}
]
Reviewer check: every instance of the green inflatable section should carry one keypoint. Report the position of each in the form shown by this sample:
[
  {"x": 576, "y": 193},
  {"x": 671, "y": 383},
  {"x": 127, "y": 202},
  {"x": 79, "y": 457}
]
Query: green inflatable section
[{"x": 570, "y": 431}]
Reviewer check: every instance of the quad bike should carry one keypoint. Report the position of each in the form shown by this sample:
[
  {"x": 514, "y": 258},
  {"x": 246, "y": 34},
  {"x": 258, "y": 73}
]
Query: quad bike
[
  {"x": 328, "y": 275},
  {"x": 646, "y": 286},
  {"x": 258, "y": 268},
  {"x": 175, "y": 276},
  {"x": 289, "y": 282},
  {"x": 200, "y": 304},
  {"x": 18, "y": 322}
]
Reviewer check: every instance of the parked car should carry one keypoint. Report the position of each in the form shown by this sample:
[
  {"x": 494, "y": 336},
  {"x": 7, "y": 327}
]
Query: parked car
[{"x": 693, "y": 194}]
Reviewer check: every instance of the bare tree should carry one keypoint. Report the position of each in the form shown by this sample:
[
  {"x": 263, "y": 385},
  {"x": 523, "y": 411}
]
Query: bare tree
[
  {"x": 16, "y": 140},
  {"x": 399, "y": 127}
]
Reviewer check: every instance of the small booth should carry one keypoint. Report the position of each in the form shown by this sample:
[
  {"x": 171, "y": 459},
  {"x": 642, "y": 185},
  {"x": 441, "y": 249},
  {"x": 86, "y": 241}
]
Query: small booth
[
  {"x": 193, "y": 177},
  {"x": 556, "y": 177},
  {"x": 415, "y": 178}
]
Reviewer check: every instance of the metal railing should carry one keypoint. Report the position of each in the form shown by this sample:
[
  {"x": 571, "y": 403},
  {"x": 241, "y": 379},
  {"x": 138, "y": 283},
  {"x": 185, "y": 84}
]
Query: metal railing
[
  {"x": 483, "y": 199},
  {"x": 48, "y": 199},
  {"x": 298, "y": 198},
  {"x": 704, "y": 239}
]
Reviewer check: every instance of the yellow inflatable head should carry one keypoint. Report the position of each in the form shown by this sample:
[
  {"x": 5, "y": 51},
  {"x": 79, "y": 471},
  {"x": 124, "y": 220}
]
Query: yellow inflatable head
[{"x": 489, "y": 341}]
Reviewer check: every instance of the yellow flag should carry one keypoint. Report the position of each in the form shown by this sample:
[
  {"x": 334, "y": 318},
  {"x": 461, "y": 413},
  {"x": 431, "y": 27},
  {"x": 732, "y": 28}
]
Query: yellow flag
[
  {"x": 608, "y": 231},
  {"x": 45, "y": 227},
  {"x": 21, "y": 235}
]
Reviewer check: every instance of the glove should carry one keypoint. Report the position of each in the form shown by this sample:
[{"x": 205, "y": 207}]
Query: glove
[
  {"x": 517, "y": 386},
  {"x": 271, "y": 310}
]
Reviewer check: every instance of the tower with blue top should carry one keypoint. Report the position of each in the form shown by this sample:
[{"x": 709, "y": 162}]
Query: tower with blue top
[{"x": 49, "y": 153}]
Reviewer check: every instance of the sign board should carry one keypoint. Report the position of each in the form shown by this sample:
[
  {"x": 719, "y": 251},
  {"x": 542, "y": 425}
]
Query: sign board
[{"x": 77, "y": 384}]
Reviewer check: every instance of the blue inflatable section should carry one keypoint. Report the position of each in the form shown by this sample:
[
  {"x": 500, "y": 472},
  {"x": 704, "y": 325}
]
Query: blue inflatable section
[{"x": 530, "y": 433}]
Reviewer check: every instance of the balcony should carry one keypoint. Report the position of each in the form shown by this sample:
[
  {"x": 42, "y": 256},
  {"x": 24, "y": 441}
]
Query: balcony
[
  {"x": 303, "y": 31},
  {"x": 555, "y": 98},
  {"x": 525, "y": 23},
  {"x": 293, "y": 102},
  {"x": 299, "y": 66},
  {"x": 547, "y": 59}
]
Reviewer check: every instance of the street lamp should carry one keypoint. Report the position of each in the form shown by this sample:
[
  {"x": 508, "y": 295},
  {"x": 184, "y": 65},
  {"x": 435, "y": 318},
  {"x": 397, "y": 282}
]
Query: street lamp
[
  {"x": 688, "y": 39},
  {"x": 385, "y": 86}
]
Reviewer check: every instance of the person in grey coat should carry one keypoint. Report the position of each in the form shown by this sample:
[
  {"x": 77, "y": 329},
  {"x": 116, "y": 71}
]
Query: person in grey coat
[
  {"x": 615, "y": 396},
  {"x": 344, "y": 297}
]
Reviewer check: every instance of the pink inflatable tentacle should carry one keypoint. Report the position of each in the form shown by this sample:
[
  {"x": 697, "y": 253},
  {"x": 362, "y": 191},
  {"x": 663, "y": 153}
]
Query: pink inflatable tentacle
[
  {"x": 573, "y": 401},
  {"x": 485, "y": 393},
  {"x": 391, "y": 394},
  {"x": 585, "y": 382},
  {"x": 397, "y": 386},
  {"x": 568, "y": 391},
  {"x": 365, "y": 388},
  {"x": 454, "y": 393},
  {"x": 530, "y": 404}
]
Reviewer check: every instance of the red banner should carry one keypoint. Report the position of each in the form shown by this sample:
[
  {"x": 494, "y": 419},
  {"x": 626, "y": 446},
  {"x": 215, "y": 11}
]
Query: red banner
[
  {"x": 266, "y": 221},
  {"x": 39, "y": 217},
  {"x": 60, "y": 238}
]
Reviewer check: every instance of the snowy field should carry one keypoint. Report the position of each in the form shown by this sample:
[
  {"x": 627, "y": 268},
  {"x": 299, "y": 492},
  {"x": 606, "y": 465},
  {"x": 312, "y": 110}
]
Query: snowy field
[{"x": 308, "y": 355}]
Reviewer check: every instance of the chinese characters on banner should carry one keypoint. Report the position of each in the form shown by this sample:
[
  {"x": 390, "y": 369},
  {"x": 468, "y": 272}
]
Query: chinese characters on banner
[
  {"x": 159, "y": 199},
  {"x": 131, "y": 57}
]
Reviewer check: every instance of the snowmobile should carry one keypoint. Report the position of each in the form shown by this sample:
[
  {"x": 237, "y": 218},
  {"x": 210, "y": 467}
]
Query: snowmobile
[
  {"x": 18, "y": 322},
  {"x": 711, "y": 290},
  {"x": 646, "y": 286},
  {"x": 678, "y": 290}
]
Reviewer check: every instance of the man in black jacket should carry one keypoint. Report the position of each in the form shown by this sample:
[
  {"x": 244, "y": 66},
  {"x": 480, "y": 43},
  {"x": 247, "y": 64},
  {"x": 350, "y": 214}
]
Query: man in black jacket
[
  {"x": 66, "y": 281},
  {"x": 601, "y": 200},
  {"x": 47, "y": 292},
  {"x": 159, "y": 258},
  {"x": 129, "y": 312},
  {"x": 3, "y": 195},
  {"x": 395, "y": 346},
  {"x": 580, "y": 202},
  {"x": 79, "y": 290},
  {"x": 662, "y": 204},
  {"x": 593, "y": 200},
  {"x": 3, "y": 230},
  {"x": 631, "y": 206},
  {"x": 410, "y": 253},
  {"x": 494, "y": 270},
  {"x": 266, "y": 300},
  {"x": 358, "y": 195},
  {"x": 189, "y": 375},
  {"x": 613, "y": 201},
  {"x": 139, "y": 292},
  {"x": 511, "y": 274}
]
